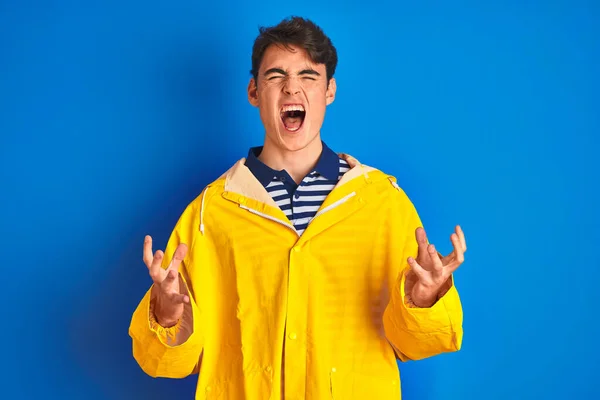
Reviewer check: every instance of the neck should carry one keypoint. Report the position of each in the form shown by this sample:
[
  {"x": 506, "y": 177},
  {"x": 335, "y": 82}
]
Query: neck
[{"x": 297, "y": 163}]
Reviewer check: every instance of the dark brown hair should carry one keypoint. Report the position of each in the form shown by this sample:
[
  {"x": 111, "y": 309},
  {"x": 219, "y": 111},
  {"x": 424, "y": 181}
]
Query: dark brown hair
[{"x": 300, "y": 32}]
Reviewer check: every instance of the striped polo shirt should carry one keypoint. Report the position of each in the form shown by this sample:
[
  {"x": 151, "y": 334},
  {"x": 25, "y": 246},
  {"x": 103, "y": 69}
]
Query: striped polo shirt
[{"x": 300, "y": 202}]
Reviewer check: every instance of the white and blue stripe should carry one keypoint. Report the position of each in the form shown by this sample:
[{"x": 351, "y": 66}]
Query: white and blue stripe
[{"x": 301, "y": 205}]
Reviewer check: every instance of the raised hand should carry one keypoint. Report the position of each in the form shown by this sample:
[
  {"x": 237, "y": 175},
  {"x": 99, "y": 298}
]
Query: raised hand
[
  {"x": 431, "y": 272},
  {"x": 168, "y": 308}
]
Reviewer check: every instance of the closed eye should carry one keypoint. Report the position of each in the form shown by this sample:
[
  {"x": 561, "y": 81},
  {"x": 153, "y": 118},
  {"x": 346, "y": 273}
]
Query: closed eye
[{"x": 309, "y": 74}]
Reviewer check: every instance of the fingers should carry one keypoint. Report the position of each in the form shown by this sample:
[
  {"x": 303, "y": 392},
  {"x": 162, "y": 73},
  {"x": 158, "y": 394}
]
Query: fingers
[
  {"x": 167, "y": 283},
  {"x": 458, "y": 253},
  {"x": 177, "y": 298},
  {"x": 147, "y": 256},
  {"x": 154, "y": 263},
  {"x": 429, "y": 260},
  {"x": 418, "y": 270},
  {"x": 171, "y": 290},
  {"x": 458, "y": 248},
  {"x": 178, "y": 257},
  {"x": 156, "y": 271},
  {"x": 461, "y": 237},
  {"x": 435, "y": 258},
  {"x": 421, "y": 237}
]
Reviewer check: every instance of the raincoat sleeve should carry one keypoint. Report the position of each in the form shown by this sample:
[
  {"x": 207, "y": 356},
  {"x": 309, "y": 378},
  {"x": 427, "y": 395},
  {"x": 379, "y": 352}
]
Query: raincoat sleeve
[
  {"x": 172, "y": 352},
  {"x": 417, "y": 333}
]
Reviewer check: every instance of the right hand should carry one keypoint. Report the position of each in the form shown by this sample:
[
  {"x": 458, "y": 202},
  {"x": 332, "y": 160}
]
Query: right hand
[{"x": 168, "y": 308}]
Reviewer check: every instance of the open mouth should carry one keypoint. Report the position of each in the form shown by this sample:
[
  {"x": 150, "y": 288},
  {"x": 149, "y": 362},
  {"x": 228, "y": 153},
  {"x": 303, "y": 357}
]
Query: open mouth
[{"x": 292, "y": 116}]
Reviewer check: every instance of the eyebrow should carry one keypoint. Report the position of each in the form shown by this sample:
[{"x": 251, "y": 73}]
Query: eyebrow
[
  {"x": 282, "y": 72},
  {"x": 275, "y": 71},
  {"x": 309, "y": 72}
]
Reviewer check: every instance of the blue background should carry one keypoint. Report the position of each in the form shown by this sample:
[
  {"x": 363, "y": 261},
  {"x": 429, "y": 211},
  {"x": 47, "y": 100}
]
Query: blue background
[{"x": 113, "y": 117}]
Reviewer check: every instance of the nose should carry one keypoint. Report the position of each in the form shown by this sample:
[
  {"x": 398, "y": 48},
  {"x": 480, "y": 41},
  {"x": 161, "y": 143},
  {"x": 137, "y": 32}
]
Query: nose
[{"x": 291, "y": 87}]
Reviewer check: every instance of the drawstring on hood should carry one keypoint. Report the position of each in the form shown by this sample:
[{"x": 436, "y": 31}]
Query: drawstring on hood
[{"x": 202, "y": 212}]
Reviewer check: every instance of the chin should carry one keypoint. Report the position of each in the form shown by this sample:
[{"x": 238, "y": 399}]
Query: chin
[{"x": 294, "y": 141}]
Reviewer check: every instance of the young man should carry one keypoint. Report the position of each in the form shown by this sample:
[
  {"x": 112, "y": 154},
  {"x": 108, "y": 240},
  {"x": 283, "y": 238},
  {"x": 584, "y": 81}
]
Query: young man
[{"x": 298, "y": 274}]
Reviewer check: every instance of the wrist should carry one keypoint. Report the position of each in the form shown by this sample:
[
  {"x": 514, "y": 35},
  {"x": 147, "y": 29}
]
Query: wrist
[
  {"x": 157, "y": 314},
  {"x": 425, "y": 296},
  {"x": 166, "y": 323},
  {"x": 423, "y": 301}
]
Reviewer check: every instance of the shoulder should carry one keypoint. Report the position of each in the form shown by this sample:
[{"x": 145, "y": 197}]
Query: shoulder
[
  {"x": 389, "y": 183},
  {"x": 208, "y": 194}
]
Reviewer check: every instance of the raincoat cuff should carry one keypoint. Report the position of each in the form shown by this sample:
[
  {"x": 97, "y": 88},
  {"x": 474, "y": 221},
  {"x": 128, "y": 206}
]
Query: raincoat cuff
[
  {"x": 435, "y": 318},
  {"x": 174, "y": 335},
  {"x": 443, "y": 291}
]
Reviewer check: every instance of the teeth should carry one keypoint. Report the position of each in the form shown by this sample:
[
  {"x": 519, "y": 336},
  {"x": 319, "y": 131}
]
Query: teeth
[{"x": 293, "y": 107}]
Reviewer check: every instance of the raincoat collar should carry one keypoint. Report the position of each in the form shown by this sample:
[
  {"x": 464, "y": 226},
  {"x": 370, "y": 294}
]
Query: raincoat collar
[
  {"x": 241, "y": 183},
  {"x": 328, "y": 165},
  {"x": 352, "y": 192}
]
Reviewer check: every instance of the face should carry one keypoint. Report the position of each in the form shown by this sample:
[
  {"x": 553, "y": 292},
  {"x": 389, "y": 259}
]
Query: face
[{"x": 291, "y": 94}]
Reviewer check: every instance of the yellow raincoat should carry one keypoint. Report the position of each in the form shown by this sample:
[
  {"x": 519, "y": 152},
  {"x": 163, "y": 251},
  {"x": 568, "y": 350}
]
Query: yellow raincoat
[{"x": 327, "y": 310}]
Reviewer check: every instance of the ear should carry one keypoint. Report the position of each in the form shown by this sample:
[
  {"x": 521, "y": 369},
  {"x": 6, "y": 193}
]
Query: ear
[
  {"x": 253, "y": 93},
  {"x": 330, "y": 93}
]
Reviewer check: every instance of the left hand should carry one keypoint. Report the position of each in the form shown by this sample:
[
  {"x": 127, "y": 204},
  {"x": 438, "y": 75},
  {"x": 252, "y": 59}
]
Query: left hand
[{"x": 430, "y": 271}]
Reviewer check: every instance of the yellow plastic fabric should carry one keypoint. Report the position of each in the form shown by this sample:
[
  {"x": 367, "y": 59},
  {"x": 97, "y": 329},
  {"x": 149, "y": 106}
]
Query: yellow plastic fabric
[{"x": 326, "y": 310}]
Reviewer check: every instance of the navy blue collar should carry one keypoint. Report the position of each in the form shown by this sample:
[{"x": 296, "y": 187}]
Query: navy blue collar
[{"x": 328, "y": 165}]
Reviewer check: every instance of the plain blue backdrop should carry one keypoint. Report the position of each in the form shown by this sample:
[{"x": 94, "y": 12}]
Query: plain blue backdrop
[{"x": 114, "y": 115}]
